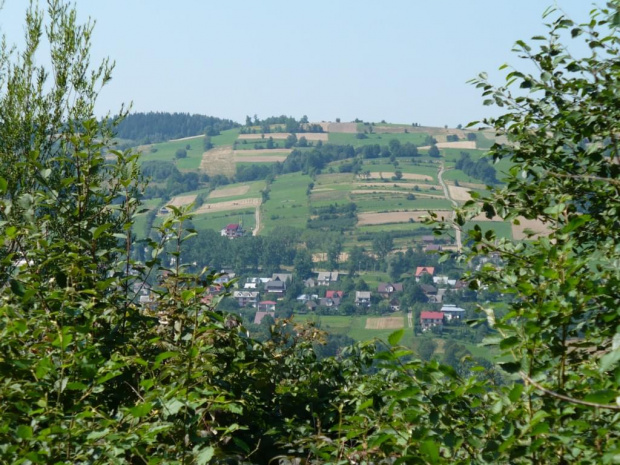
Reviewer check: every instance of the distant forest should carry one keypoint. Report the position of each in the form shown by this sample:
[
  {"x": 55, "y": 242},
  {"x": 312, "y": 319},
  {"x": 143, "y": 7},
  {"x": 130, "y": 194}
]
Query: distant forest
[{"x": 155, "y": 127}]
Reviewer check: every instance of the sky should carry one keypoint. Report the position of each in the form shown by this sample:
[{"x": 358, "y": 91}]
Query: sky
[{"x": 402, "y": 61}]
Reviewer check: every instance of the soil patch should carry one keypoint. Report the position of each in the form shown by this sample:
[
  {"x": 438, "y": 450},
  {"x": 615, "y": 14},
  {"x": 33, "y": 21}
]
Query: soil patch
[
  {"x": 458, "y": 193},
  {"x": 261, "y": 159},
  {"x": 537, "y": 226},
  {"x": 181, "y": 200},
  {"x": 266, "y": 152},
  {"x": 347, "y": 128},
  {"x": 405, "y": 176},
  {"x": 369, "y": 218},
  {"x": 461, "y": 144},
  {"x": 230, "y": 205},
  {"x": 388, "y": 322},
  {"x": 229, "y": 191},
  {"x": 220, "y": 160}
]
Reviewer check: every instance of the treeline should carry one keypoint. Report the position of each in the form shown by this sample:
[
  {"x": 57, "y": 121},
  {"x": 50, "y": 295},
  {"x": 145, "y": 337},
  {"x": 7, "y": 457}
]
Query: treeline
[
  {"x": 155, "y": 127},
  {"x": 167, "y": 180},
  {"x": 480, "y": 169},
  {"x": 282, "y": 123}
]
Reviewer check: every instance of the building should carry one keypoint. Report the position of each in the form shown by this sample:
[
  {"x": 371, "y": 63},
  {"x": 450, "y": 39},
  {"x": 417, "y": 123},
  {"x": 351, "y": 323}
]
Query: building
[
  {"x": 233, "y": 230},
  {"x": 387, "y": 289},
  {"x": 362, "y": 298},
  {"x": 267, "y": 306},
  {"x": 325, "y": 278},
  {"x": 246, "y": 298},
  {"x": 334, "y": 294},
  {"x": 422, "y": 270},
  {"x": 275, "y": 287},
  {"x": 452, "y": 312},
  {"x": 429, "y": 320}
]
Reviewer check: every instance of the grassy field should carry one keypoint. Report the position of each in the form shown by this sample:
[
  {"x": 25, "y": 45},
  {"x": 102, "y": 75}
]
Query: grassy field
[
  {"x": 218, "y": 221},
  {"x": 381, "y": 139},
  {"x": 502, "y": 229},
  {"x": 166, "y": 152},
  {"x": 287, "y": 204},
  {"x": 355, "y": 327}
]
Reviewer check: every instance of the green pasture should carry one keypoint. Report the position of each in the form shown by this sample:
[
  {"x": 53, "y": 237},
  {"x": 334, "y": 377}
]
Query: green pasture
[
  {"x": 386, "y": 201},
  {"x": 502, "y": 229},
  {"x": 340, "y": 138},
  {"x": 355, "y": 327},
  {"x": 287, "y": 204},
  {"x": 219, "y": 220},
  {"x": 225, "y": 137},
  {"x": 166, "y": 151}
]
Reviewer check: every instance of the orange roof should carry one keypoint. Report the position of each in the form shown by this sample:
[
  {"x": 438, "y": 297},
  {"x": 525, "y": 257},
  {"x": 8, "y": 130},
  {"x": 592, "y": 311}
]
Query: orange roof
[{"x": 420, "y": 270}]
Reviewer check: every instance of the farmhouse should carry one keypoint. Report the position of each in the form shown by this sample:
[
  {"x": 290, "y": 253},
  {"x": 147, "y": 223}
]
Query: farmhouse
[
  {"x": 233, "y": 230},
  {"x": 310, "y": 282},
  {"x": 452, "y": 312},
  {"x": 252, "y": 283},
  {"x": 325, "y": 278},
  {"x": 430, "y": 319},
  {"x": 246, "y": 298},
  {"x": 275, "y": 287},
  {"x": 334, "y": 294},
  {"x": 267, "y": 306},
  {"x": 329, "y": 302},
  {"x": 387, "y": 289},
  {"x": 284, "y": 277},
  {"x": 422, "y": 270},
  {"x": 362, "y": 298}
]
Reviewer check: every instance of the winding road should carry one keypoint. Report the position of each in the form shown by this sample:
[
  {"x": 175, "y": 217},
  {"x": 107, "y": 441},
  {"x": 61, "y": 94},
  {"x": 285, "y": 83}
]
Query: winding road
[{"x": 446, "y": 192}]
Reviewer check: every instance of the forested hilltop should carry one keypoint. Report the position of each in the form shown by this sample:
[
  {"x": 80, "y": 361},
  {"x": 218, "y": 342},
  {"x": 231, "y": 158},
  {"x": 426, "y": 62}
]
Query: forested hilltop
[
  {"x": 147, "y": 128},
  {"x": 118, "y": 348}
]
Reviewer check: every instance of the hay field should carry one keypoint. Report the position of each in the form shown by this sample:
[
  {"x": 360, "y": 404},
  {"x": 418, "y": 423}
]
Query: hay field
[
  {"x": 220, "y": 160},
  {"x": 388, "y": 322},
  {"x": 347, "y": 128},
  {"x": 181, "y": 200},
  {"x": 229, "y": 191},
  {"x": 370, "y": 218},
  {"x": 229, "y": 205},
  {"x": 458, "y": 193},
  {"x": 461, "y": 144},
  {"x": 537, "y": 226}
]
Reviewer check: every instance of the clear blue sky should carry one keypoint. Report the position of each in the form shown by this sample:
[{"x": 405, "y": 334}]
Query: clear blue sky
[{"x": 400, "y": 60}]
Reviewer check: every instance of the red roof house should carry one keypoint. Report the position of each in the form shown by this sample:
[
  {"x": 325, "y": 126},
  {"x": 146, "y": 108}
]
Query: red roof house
[
  {"x": 422, "y": 270},
  {"x": 430, "y": 319},
  {"x": 233, "y": 230},
  {"x": 332, "y": 294}
]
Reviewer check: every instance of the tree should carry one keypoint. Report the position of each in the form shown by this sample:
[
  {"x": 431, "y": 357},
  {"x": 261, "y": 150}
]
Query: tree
[
  {"x": 180, "y": 153},
  {"x": 433, "y": 151},
  {"x": 382, "y": 244},
  {"x": 303, "y": 264}
]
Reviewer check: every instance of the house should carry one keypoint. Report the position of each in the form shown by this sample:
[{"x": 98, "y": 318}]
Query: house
[
  {"x": 433, "y": 248},
  {"x": 310, "y": 282},
  {"x": 430, "y": 319},
  {"x": 252, "y": 283},
  {"x": 267, "y": 306},
  {"x": 233, "y": 230},
  {"x": 275, "y": 287},
  {"x": 307, "y": 297},
  {"x": 362, "y": 298},
  {"x": 260, "y": 315},
  {"x": 395, "y": 305},
  {"x": 444, "y": 280},
  {"x": 334, "y": 294},
  {"x": 452, "y": 312},
  {"x": 224, "y": 277},
  {"x": 311, "y": 305},
  {"x": 422, "y": 270},
  {"x": 329, "y": 302},
  {"x": 246, "y": 298},
  {"x": 387, "y": 289},
  {"x": 284, "y": 277},
  {"x": 325, "y": 278}
]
